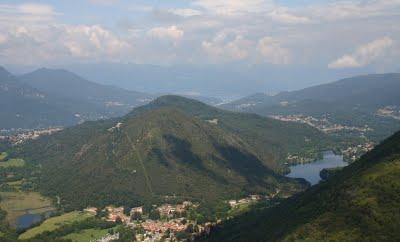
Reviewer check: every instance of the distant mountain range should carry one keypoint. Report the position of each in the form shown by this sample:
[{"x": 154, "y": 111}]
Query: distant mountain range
[
  {"x": 24, "y": 106},
  {"x": 67, "y": 85},
  {"x": 352, "y": 101},
  {"x": 57, "y": 97},
  {"x": 48, "y": 97},
  {"x": 173, "y": 146},
  {"x": 359, "y": 203}
]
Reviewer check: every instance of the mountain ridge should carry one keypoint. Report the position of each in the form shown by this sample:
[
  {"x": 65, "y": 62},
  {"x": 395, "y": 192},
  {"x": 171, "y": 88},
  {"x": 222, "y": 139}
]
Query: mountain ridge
[{"x": 162, "y": 150}]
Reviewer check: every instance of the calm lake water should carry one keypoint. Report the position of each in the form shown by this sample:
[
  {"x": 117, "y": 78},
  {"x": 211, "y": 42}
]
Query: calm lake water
[
  {"x": 310, "y": 171},
  {"x": 26, "y": 220}
]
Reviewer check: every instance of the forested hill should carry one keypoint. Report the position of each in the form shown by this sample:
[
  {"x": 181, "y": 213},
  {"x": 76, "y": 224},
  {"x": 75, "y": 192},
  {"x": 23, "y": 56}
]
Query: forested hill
[
  {"x": 172, "y": 147},
  {"x": 360, "y": 203},
  {"x": 271, "y": 139}
]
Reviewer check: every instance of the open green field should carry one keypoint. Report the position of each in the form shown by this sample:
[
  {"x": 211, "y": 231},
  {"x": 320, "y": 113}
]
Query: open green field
[
  {"x": 3, "y": 155},
  {"x": 17, "y": 203},
  {"x": 12, "y": 163},
  {"x": 241, "y": 209},
  {"x": 87, "y": 235},
  {"x": 54, "y": 223}
]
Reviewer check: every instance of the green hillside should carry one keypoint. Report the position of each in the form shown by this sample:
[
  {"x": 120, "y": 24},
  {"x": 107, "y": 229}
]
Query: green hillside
[
  {"x": 173, "y": 146},
  {"x": 359, "y": 203},
  {"x": 271, "y": 139}
]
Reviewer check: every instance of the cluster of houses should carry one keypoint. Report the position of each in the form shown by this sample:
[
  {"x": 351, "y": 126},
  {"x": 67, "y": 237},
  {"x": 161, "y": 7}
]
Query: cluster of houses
[
  {"x": 354, "y": 152},
  {"x": 172, "y": 220},
  {"x": 322, "y": 124},
  {"x": 246, "y": 200},
  {"x": 107, "y": 238},
  {"x": 390, "y": 112},
  {"x": 21, "y": 136},
  {"x": 169, "y": 210},
  {"x": 152, "y": 230}
]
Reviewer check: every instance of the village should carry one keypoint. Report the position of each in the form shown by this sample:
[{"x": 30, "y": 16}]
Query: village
[
  {"x": 322, "y": 124},
  {"x": 167, "y": 222},
  {"x": 352, "y": 153},
  {"x": 19, "y": 136},
  {"x": 389, "y": 112}
]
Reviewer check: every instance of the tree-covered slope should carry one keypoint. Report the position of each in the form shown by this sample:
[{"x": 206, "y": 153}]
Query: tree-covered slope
[
  {"x": 173, "y": 146},
  {"x": 359, "y": 203},
  {"x": 271, "y": 139}
]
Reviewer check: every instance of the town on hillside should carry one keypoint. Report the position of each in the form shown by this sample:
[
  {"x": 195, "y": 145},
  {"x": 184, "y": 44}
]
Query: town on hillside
[{"x": 171, "y": 222}]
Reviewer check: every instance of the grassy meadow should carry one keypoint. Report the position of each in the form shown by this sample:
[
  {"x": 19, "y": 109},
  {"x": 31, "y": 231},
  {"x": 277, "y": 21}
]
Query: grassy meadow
[
  {"x": 54, "y": 223},
  {"x": 87, "y": 235}
]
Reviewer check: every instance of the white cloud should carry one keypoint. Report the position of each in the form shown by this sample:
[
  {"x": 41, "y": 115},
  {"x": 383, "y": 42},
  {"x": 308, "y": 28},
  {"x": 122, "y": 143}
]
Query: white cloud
[
  {"x": 57, "y": 43},
  {"x": 227, "y": 47},
  {"x": 103, "y": 2},
  {"x": 3, "y": 38},
  {"x": 171, "y": 32},
  {"x": 273, "y": 52},
  {"x": 185, "y": 12},
  {"x": 283, "y": 15},
  {"x": 364, "y": 55},
  {"x": 232, "y": 7},
  {"x": 35, "y": 9},
  {"x": 28, "y": 12},
  {"x": 86, "y": 41},
  {"x": 345, "y": 9}
]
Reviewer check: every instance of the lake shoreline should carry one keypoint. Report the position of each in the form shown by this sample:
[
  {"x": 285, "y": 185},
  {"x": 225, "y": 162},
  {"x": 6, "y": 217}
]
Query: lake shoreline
[{"x": 311, "y": 171}]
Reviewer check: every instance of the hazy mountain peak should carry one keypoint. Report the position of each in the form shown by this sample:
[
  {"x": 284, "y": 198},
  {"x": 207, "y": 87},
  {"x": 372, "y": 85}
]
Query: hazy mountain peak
[{"x": 4, "y": 72}]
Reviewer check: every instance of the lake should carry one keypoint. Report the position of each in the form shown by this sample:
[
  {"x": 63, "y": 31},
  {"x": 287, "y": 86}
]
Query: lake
[
  {"x": 310, "y": 171},
  {"x": 26, "y": 220}
]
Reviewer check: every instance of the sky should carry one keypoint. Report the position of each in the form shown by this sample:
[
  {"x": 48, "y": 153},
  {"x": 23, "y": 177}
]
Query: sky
[{"x": 333, "y": 36}]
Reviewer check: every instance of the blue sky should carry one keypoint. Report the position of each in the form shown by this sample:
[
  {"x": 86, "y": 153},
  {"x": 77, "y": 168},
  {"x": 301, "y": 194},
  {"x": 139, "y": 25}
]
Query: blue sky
[{"x": 332, "y": 35}]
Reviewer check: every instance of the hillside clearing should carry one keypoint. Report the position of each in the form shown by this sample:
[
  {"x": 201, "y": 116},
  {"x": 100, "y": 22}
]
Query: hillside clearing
[{"x": 54, "y": 223}]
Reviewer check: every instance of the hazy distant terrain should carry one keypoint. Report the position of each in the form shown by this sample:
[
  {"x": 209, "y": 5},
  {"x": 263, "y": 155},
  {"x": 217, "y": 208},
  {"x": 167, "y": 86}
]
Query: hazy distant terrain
[
  {"x": 355, "y": 101},
  {"x": 48, "y": 97}
]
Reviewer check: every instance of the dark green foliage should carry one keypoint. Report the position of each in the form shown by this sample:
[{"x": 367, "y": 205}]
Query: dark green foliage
[
  {"x": 328, "y": 172},
  {"x": 125, "y": 234},
  {"x": 136, "y": 216},
  {"x": 154, "y": 214},
  {"x": 359, "y": 203},
  {"x": 169, "y": 148}
]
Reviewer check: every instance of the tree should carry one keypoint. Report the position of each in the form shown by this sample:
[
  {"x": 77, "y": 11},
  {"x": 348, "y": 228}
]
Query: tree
[
  {"x": 154, "y": 214},
  {"x": 125, "y": 234},
  {"x": 189, "y": 229},
  {"x": 136, "y": 216},
  {"x": 127, "y": 211},
  {"x": 118, "y": 220}
]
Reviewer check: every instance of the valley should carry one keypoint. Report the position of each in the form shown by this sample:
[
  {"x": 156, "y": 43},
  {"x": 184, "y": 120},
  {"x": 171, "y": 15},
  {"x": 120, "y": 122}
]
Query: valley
[
  {"x": 174, "y": 168},
  {"x": 199, "y": 121}
]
